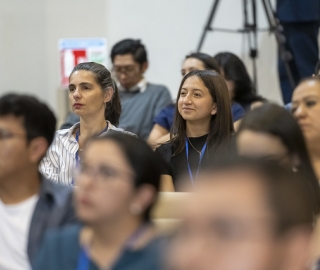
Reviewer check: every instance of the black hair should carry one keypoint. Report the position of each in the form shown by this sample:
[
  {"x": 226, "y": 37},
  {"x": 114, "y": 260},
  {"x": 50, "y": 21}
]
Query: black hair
[
  {"x": 38, "y": 119},
  {"x": 235, "y": 70},
  {"x": 277, "y": 121},
  {"x": 286, "y": 195},
  {"x": 221, "y": 124},
  {"x": 208, "y": 61},
  {"x": 144, "y": 162},
  {"x": 103, "y": 78},
  {"x": 130, "y": 46}
]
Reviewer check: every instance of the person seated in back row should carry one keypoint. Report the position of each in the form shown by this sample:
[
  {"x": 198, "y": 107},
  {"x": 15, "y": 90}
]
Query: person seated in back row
[
  {"x": 29, "y": 203},
  {"x": 141, "y": 101},
  {"x": 240, "y": 86},
  {"x": 164, "y": 120}
]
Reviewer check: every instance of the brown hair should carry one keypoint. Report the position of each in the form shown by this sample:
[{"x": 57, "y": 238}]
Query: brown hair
[
  {"x": 221, "y": 124},
  {"x": 103, "y": 78}
]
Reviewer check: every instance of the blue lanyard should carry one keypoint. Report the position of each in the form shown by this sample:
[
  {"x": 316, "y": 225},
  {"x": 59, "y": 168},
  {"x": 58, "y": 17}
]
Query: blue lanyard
[
  {"x": 84, "y": 261},
  {"x": 200, "y": 159}
]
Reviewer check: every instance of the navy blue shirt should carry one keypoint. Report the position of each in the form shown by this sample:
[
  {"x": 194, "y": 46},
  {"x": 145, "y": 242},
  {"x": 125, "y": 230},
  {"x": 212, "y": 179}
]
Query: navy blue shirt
[
  {"x": 298, "y": 10},
  {"x": 61, "y": 249}
]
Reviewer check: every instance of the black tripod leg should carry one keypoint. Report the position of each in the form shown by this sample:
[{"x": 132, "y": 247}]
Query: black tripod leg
[
  {"x": 208, "y": 25},
  {"x": 276, "y": 27}
]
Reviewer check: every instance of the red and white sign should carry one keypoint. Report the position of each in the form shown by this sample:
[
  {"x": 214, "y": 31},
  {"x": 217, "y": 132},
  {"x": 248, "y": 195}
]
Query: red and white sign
[{"x": 75, "y": 51}]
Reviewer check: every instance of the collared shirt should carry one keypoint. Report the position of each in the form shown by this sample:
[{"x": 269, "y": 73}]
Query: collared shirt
[
  {"x": 59, "y": 163},
  {"x": 142, "y": 85}
]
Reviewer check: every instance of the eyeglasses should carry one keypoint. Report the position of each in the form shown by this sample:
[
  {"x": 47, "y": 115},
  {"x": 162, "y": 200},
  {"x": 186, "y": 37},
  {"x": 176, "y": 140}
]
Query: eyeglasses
[
  {"x": 5, "y": 134},
  {"x": 123, "y": 69},
  {"x": 102, "y": 173}
]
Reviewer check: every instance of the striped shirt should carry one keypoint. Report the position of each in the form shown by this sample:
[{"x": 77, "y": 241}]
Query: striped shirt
[{"x": 59, "y": 163}]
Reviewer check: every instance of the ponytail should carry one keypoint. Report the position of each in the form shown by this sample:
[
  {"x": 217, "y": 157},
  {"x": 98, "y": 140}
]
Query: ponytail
[{"x": 113, "y": 107}]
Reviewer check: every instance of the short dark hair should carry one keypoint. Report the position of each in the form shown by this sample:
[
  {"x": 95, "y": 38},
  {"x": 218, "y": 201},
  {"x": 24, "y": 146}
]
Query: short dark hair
[
  {"x": 130, "y": 46},
  {"x": 286, "y": 196},
  {"x": 221, "y": 124},
  {"x": 38, "y": 119},
  {"x": 142, "y": 159},
  {"x": 277, "y": 121},
  {"x": 103, "y": 78},
  {"x": 235, "y": 70},
  {"x": 208, "y": 61}
]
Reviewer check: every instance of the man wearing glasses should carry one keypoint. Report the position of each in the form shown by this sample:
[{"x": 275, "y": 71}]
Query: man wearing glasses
[
  {"x": 29, "y": 203},
  {"x": 141, "y": 101}
]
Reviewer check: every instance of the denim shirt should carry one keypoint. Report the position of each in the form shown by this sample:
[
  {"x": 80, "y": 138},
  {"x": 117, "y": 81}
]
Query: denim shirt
[{"x": 53, "y": 209}]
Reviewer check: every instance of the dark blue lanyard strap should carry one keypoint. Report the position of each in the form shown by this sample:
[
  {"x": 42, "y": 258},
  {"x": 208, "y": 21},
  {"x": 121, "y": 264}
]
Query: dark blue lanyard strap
[
  {"x": 200, "y": 159},
  {"x": 84, "y": 261}
]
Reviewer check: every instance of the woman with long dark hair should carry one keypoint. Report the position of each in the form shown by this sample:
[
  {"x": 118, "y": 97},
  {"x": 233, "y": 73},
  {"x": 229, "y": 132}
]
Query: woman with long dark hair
[
  {"x": 241, "y": 88},
  {"x": 163, "y": 122},
  {"x": 202, "y": 126},
  {"x": 94, "y": 97}
]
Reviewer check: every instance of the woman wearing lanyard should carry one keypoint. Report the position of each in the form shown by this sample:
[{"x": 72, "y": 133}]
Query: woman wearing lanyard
[
  {"x": 94, "y": 97},
  {"x": 202, "y": 127},
  {"x": 118, "y": 182}
]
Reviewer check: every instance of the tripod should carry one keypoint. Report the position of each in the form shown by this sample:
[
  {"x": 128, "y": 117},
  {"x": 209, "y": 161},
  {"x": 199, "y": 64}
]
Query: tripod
[{"x": 251, "y": 30}]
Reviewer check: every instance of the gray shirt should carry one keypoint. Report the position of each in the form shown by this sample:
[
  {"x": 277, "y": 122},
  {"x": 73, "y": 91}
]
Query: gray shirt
[{"x": 139, "y": 109}]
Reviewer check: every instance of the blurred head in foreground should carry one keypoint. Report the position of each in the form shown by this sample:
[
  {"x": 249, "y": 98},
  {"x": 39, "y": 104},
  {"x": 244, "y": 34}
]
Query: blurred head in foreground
[{"x": 244, "y": 215}]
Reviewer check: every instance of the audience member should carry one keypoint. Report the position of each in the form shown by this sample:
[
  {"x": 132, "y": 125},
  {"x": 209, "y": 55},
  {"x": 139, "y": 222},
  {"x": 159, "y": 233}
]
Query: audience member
[
  {"x": 240, "y": 86},
  {"x": 306, "y": 109},
  {"x": 270, "y": 132},
  {"x": 300, "y": 22},
  {"x": 244, "y": 215},
  {"x": 202, "y": 126},
  {"x": 94, "y": 98},
  {"x": 141, "y": 101},
  {"x": 163, "y": 121},
  {"x": 117, "y": 185},
  {"x": 29, "y": 203}
]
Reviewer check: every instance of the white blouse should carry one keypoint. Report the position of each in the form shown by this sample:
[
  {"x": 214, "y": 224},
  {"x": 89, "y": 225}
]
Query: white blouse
[{"x": 60, "y": 161}]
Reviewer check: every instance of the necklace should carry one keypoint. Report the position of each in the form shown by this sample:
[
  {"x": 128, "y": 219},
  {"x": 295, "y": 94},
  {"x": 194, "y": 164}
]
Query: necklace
[{"x": 199, "y": 152}]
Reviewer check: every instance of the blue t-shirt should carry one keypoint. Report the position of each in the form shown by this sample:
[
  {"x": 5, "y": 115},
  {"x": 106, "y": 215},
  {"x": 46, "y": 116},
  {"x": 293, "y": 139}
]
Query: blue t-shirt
[{"x": 166, "y": 115}]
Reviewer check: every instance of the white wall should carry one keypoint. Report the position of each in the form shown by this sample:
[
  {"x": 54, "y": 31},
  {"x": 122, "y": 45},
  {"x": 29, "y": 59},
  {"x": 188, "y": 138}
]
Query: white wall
[
  {"x": 29, "y": 34},
  {"x": 30, "y": 30},
  {"x": 172, "y": 28}
]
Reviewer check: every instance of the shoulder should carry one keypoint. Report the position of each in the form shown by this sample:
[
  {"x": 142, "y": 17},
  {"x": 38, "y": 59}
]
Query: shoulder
[
  {"x": 62, "y": 240},
  {"x": 60, "y": 193},
  {"x": 62, "y": 133},
  {"x": 165, "y": 151},
  {"x": 114, "y": 129},
  {"x": 59, "y": 249},
  {"x": 157, "y": 87}
]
